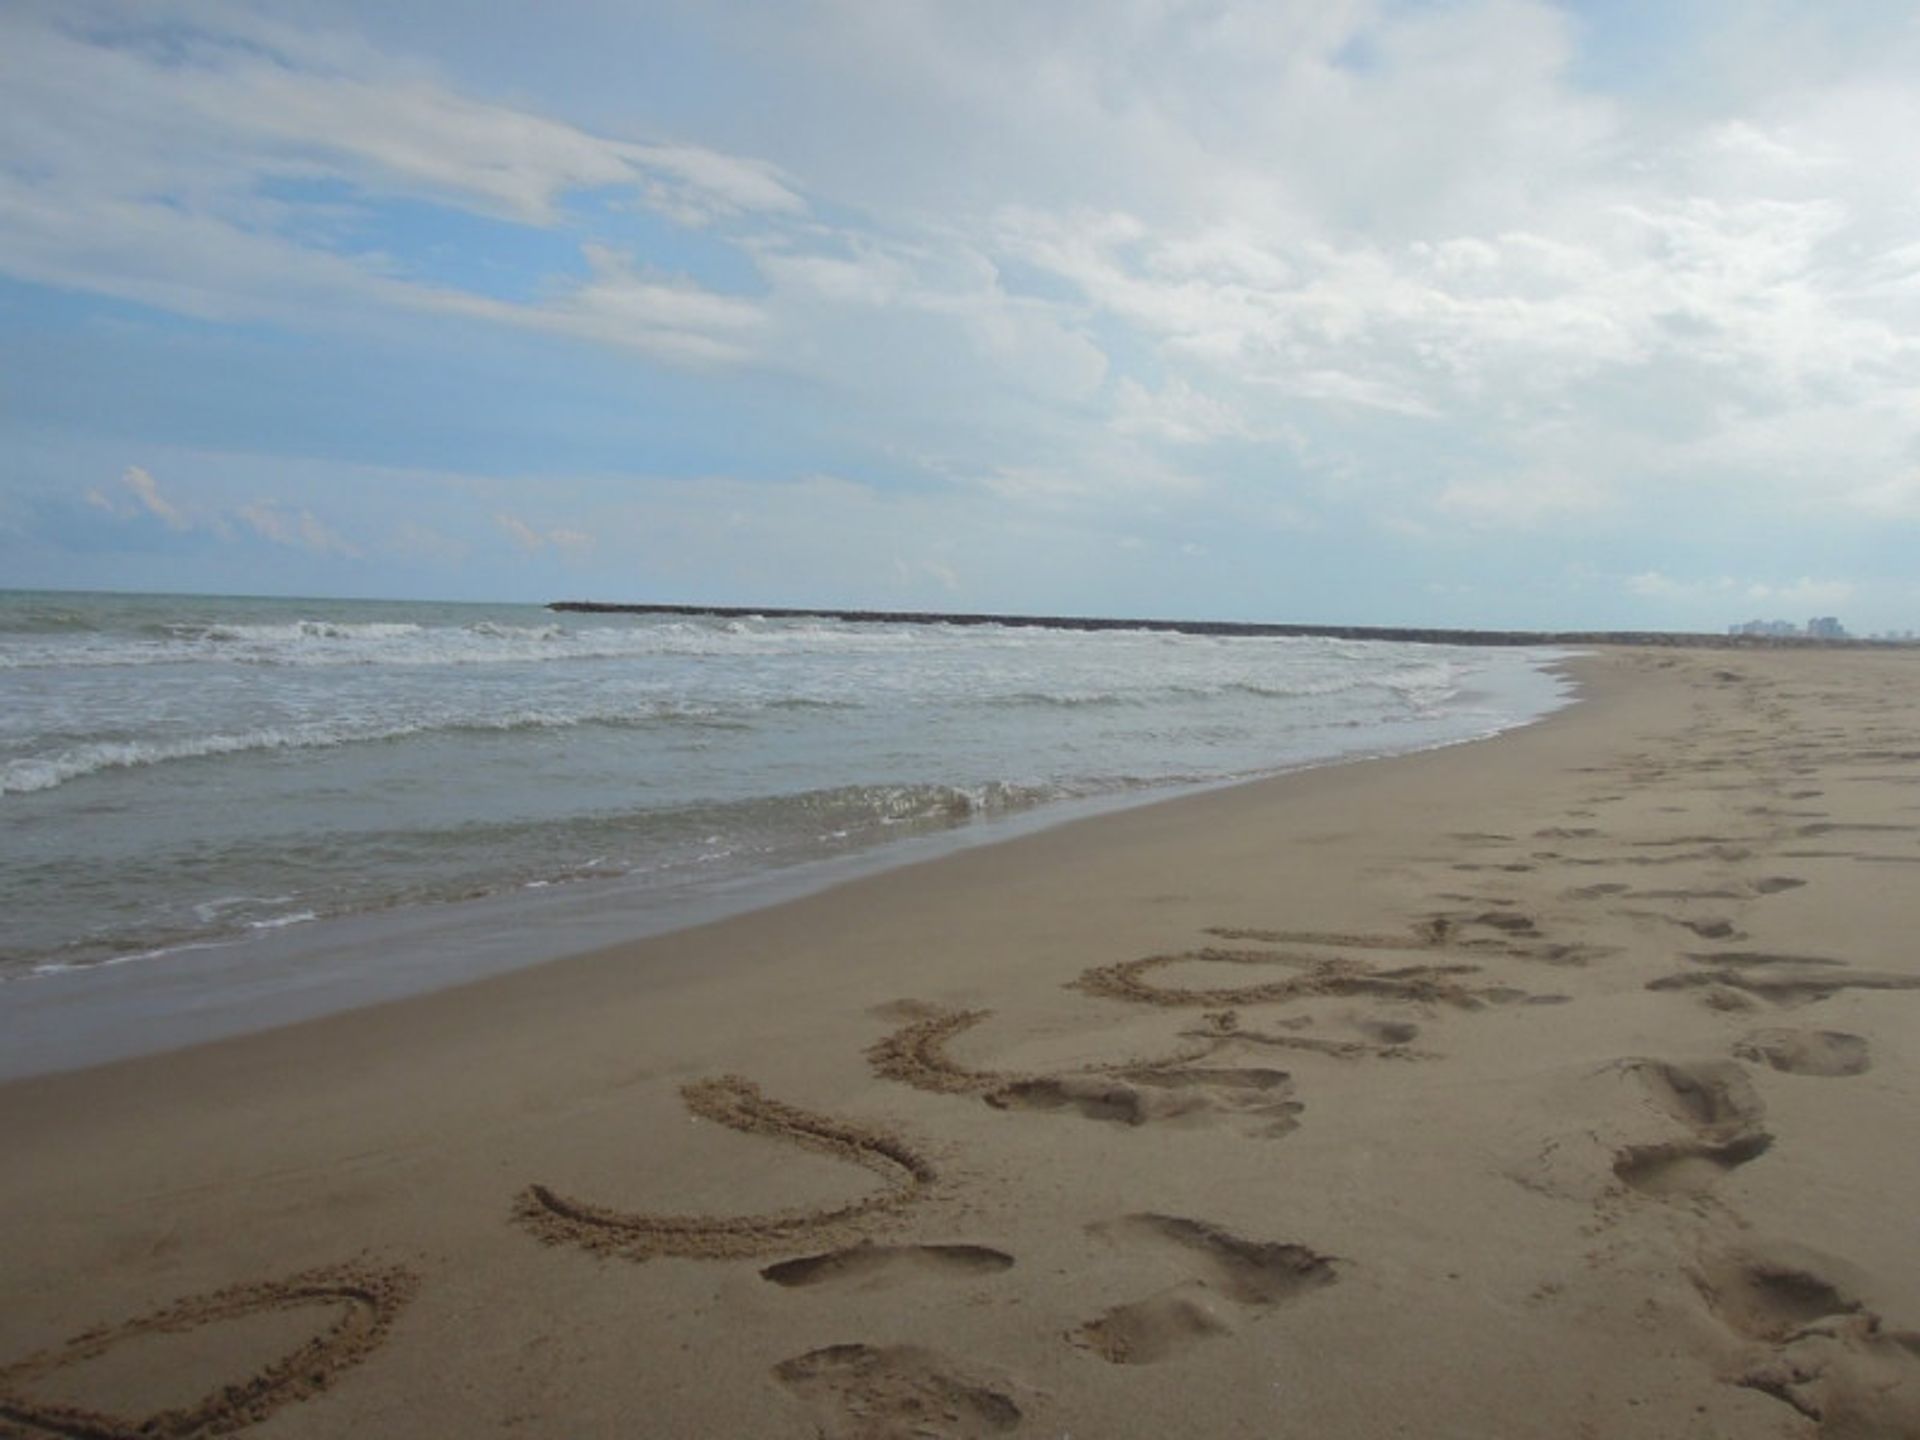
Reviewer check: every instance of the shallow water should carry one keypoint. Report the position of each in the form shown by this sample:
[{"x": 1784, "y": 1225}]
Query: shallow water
[{"x": 183, "y": 771}]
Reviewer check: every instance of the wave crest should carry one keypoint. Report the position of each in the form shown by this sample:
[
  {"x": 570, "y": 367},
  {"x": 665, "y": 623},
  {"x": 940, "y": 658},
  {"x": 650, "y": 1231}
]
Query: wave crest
[{"x": 25, "y": 775}]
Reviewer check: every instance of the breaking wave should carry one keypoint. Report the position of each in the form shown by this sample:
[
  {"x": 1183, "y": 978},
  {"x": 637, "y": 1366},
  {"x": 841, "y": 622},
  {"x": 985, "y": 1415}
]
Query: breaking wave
[{"x": 24, "y": 775}]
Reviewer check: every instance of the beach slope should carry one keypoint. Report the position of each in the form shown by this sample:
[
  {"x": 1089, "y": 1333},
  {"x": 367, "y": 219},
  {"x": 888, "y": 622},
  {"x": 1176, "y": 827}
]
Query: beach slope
[{"x": 1562, "y": 1084}]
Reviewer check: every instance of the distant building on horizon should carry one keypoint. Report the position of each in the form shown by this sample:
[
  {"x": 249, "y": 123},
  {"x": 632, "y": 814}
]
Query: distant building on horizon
[{"x": 1820, "y": 627}]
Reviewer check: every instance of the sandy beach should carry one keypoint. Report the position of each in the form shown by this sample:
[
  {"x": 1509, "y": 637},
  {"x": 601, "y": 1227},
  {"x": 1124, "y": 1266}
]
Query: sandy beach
[{"x": 1564, "y": 1084}]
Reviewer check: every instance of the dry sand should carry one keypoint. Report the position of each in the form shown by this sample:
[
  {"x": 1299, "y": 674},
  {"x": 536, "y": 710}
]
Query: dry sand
[{"x": 1566, "y": 1084}]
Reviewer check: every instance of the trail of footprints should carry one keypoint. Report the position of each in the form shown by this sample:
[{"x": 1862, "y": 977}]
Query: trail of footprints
[
  {"x": 1796, "y": 1329},
  {"x": 1798, "y": 1332},
  {"x": 857, "y": 1390}
]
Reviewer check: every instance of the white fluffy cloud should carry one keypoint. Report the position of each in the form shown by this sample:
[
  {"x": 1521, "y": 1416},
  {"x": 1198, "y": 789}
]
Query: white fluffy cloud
[
  {"x": 1419, "y": 273},
  {"x": 143, "y": 498},
  {"x": 526, "y": 537},
  {"x": 146, "y": 490},
  {"x": 297, "y": 528},
  {"x": 157, "y": 153},
  {"x": 170, "y": 92},
  {"x": 1249, "y": 219},
  {"x": 1303, "y": 218}
]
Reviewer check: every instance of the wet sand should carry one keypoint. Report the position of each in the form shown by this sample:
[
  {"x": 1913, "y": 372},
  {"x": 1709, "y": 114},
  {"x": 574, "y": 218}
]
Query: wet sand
[{"x": 1566, "y": 1083}]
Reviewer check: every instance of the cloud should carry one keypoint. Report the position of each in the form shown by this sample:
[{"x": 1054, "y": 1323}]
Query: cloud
[
  {"x": 1806, "y": 593},
  {"x": 322, "y": 539},
  {"x": 1792, "y": 597},
  {"x": 521, "y": 533},
  {"x": 1178, "y": 411},
  {"x": 1522, "y": 502},
  {"x": 274, "y": 100},
  {"x": 276, "y": 522},
  {"x": 1653, "y": 585},
  {"x": 916, "y": 572},
  {"x": 147, "y": 491},
  {"x": 295, "y": 528},
  {"x": 1895, "y": 496},
  {"x": 697, "y": 185},
  {"x": 1479, "y": 243},
  {"x": 164, "y": 157},
  {"x": 622, "y": 306},
  {"x": 415, "y": 542},
  {"x": 143, "y": 497},
  {"x": 269, "y": 523},
  {"x": 1486, "y": 240},
  {"x": 1124, "y": 476},
  {"x": 1401, "y": 277},
  {"x": 571, "y": 542}
]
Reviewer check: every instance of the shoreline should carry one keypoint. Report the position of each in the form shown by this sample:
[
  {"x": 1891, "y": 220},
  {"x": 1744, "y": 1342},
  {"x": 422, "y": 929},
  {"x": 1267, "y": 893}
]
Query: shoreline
[
  {"x": 200, "y": 991},
  {"x": 1522, "y": 1113}
]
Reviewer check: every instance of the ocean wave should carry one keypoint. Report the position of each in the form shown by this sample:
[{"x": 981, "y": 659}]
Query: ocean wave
[
  {"x": 47, "y": 619},
  {"x": 297, "y": 630},
  {"x": 1061, "y": 699},
  {"x": 314, "y": 642},
  {"x": 1424, "y": 682},
  {"x": 810, "y": 702},
  {"x": 651, "y": 847},
  {"x": 897, "y": 804},
  {"x": 27, "y": 774}
]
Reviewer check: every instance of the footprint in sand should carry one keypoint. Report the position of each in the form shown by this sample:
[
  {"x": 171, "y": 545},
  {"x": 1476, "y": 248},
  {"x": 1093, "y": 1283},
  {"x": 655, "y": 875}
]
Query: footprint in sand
[
  {"x": 1767, "y": 885},
  {"x": 363, "y": 1302},
  {"x": 1157, "y": 1096},
  {"x": 1385, "y": 1039},
  {"x": 1712, "y": 1096},
  {"x": 1727, "y": 854},
  {"x": 1807, "y": 1052},
  {"x": 869, "y": 1392},
  {"x": 1805, "y": 1339},
  {"x": 1686, "y": 1168},
  {"x": 1224, "y": 1274},
  {"x": 1715, "y": 1101},
  {"x": 1784, "y": 980},
  {"x": 739, "y": 1105},
  {"x": 869, "y": 1266}
]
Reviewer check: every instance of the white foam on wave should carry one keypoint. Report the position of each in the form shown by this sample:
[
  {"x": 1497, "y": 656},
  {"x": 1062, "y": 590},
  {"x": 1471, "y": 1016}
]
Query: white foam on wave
[
  {"x": 158, "y": 952},
  {"x": 280, "y": 922},
  {"x": 485, "y": 642},
  {"x": 25, "y": 775},
  {"x": 297, "y": 630}
]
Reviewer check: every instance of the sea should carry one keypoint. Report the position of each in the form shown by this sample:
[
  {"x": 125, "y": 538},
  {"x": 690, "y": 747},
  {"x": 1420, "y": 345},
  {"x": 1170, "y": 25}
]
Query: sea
[{"x": 189, "y": 773}]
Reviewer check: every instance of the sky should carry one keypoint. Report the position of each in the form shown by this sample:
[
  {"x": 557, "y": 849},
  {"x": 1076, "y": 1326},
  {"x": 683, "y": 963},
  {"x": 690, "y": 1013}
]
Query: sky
[{"x": 1454, "y": 313}]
